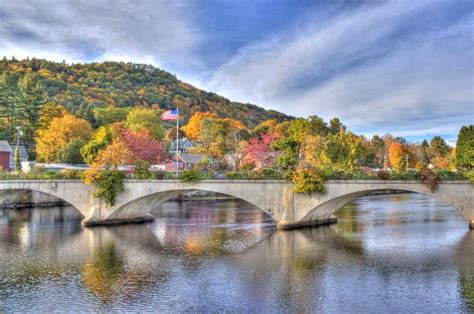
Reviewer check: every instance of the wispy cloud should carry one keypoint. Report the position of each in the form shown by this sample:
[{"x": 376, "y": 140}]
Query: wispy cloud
[
  {"x": 404, "y": 67},
  {"x": 364, "y": 66},
  {"x": 138, "y": 31}
]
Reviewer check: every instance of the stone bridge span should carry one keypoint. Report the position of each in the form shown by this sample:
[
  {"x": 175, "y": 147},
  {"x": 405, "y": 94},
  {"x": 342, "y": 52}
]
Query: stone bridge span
[{"x": 274, "y": 197}]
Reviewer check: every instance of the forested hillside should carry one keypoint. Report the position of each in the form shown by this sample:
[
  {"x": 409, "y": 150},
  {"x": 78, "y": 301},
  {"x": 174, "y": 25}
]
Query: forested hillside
[{"x": 82, "y": 87}]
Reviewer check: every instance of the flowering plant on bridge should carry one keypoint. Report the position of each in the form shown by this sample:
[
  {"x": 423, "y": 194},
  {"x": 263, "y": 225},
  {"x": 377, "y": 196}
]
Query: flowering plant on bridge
[
  {"x": 307, "y": 180},
  {"x": 109, "y": 184},
  {"x": 429, "y": 178}
]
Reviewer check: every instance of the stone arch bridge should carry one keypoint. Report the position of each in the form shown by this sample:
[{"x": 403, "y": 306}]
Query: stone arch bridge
[{"x": 274, "y": 197}]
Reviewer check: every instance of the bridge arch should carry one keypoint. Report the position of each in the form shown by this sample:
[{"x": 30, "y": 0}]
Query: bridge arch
[
  {"x": 72, "y": 192},
  {"x": 26, "y": 197},
  {"x": 444, "y": 194},
  {"x": 142, "y": 206}
]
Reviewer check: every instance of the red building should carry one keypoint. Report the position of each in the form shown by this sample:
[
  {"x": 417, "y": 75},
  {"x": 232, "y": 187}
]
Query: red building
[{"x": 6, "y": 153}]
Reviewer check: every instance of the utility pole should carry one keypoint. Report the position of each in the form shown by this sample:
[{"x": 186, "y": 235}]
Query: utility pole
[{"x": 407, "y": 156}]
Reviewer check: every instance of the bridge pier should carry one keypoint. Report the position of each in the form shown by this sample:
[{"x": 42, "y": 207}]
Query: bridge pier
[
  {"x": 309, "y": 223},
  {"x": 91, "y": 222}
]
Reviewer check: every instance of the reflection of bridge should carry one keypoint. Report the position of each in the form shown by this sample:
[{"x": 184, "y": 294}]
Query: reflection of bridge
[{"x": 276, "y": 198}]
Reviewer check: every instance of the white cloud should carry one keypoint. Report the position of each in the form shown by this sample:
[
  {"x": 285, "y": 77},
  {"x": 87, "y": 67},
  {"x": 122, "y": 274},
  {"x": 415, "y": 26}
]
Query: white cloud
[
  {"x": 353, "y": 68},
  {"x": 145, "y": 31}
]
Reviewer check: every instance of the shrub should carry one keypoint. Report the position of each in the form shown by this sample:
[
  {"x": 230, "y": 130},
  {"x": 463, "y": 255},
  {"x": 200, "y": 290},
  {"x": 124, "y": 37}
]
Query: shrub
[
  {"x": 383, "y": 175},
  {"x": 429, "y": 178},
  {"x": 307, "y": 181},
  {"x": 39, "y": 169},
  {"x": 233, "y": 175},
  {"x": 71, "y": 174},
  {"x": 142, "y": 170},
  {"x": 109, "y": 184},
  {"x": 191, "y": 175},
  {"x": 470, "y": 176},
  {"x": 160, "y": 175}
]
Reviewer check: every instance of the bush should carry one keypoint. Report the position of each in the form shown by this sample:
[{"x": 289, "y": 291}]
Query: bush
[
  {"x": 71, "y": 153},
  {"x": 109, "y": 184},
  {"x": 470, "y": 176},
  {"x": 142, "y": 170},
  {"x": 233, "y": 175},
  {"x": 193, "y": 175},
  {"x": 160, "y": 175},
  {"x": 404, "y": 175},
  {"x": 429, "y": 178},
  {"x": 383, "y": 175},
  {"x": 71, "y": 174},
  {"x": 307, "y": 181}
]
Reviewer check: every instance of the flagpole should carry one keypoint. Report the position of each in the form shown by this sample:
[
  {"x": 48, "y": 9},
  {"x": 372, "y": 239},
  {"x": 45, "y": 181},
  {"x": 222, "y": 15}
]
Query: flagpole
[{"x": 177, "y": 141}]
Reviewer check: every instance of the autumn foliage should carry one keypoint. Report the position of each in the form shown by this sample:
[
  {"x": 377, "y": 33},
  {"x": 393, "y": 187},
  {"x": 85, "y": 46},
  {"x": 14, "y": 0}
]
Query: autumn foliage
[
  {"x": 60, "y": 132},
  {"x": 396, "y": 156},
  {"x": 142, "y": 146},
  {"x": 259, "y": 152},
  {"x": 193, "y": 128}
]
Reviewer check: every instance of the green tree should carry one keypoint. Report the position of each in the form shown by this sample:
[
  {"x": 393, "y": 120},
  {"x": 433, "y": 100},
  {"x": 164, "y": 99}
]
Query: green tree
[
  {"x": 146, "y": 118},
  {"x": 335, "y": 126},
  {"x": 71, "y": 153},
  {"x": 17, "y": 159},
  {"x": 102, "y": 137},
  {"x": 465, "y": 148},
  {"x": 108, "y": 115},
  {"x": 438, "y": 147}
]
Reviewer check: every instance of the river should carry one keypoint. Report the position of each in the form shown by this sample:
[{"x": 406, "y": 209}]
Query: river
[{"x": 387, "y": 253}]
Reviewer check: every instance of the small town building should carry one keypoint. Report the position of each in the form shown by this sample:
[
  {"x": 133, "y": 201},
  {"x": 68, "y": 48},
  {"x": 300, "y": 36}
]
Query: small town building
[
  {"x": 190, "y": 161},
  {"x": 6, "y": 154},
  {"x": 230, "y": 161},
  {"x": 183, "y": 145}
]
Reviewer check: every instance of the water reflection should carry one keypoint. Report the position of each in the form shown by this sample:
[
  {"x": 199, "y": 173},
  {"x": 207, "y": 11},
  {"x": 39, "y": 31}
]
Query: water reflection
[{"x": 400, "y": 252}]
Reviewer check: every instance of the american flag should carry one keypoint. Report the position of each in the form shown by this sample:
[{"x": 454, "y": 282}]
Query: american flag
[{"x": 170, "y": 115}]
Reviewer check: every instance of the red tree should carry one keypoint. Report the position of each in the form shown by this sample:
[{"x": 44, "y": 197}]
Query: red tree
[
  {"x": 143, "y": 146},
  {"x": 259, "y": 151}
]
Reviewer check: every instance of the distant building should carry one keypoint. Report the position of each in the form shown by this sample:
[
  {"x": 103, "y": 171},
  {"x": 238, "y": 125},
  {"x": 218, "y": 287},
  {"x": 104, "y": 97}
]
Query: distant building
[
  {"x": 6, "y": 153},
  {"x": 230, "y": 161},
  {"x": 183, "y": 145},
  {"x": 189, "y": 161}
]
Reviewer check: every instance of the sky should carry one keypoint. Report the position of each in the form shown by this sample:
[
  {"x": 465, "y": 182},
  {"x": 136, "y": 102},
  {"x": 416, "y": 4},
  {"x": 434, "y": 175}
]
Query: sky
[{"x": 399, "y": 67}]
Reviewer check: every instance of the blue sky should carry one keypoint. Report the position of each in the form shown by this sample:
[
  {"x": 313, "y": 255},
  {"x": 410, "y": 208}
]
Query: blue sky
[{"x": 400, "y": 67}]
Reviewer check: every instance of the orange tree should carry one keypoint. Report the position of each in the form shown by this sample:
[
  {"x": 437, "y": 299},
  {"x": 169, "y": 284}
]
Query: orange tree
[
  {"x": 396, "y": 155},
  {"x": 193, "y": 128}
]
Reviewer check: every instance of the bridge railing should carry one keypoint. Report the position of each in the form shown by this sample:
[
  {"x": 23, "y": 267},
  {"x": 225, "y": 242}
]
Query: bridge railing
[{"x": 265, "y": 174}]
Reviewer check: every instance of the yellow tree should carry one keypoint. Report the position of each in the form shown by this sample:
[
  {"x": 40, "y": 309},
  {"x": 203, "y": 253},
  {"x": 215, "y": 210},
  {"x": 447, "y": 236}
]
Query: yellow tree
[
  {"x": 193, "y": 128},
  {"x": 396, "y": 154},
  {"x": 50, "y": 111},
  {"x": 60, "y": 132},
  {"x": 114, "y": 155},
  {"x": 109, "y": 158}
]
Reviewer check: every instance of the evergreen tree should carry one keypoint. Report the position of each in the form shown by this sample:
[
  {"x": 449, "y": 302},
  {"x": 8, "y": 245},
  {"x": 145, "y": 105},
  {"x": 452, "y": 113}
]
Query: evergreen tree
[
  {"x": 465, "y": 148},
  {"x": 438, "y": 146}
]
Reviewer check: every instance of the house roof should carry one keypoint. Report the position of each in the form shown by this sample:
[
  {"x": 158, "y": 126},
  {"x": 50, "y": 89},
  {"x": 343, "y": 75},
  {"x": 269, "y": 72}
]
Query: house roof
[
  {"x": 182, "y": 141},
  {"x": 234, "y": 157},
  {"x": 5, "y": 147}
]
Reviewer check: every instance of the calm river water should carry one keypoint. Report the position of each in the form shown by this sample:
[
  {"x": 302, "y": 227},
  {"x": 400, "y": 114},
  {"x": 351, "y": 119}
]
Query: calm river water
[{"x": 388, "y": 253}]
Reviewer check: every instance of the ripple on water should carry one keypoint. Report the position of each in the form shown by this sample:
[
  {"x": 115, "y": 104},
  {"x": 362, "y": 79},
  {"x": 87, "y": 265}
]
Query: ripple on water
[{"x": 396, "y": 253}]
